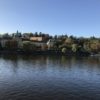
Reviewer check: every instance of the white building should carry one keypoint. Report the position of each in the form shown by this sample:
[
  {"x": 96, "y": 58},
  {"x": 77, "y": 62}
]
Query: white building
[{"x": 51, "y": 43}]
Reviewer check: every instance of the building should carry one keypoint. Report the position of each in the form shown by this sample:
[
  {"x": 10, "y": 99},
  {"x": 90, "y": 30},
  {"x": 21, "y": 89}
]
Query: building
[
  {"x": 40, "y": 42},
  {"x": 51, "y": 43},
  {"x": 3, "y": 41},
  {"x": 38, "y": 39}
]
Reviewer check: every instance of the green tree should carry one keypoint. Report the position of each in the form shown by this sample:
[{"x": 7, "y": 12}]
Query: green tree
[
  {"x": 64, "y": 50},
  {"x": 28, "y": 46},
  {"x": 74, "y": 47}
]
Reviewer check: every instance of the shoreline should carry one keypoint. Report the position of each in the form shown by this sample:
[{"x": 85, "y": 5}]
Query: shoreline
[{"x": 48, "y": 52}]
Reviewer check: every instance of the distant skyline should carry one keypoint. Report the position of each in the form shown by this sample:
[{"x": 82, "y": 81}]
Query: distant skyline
[{"x": 56, "y": 17}]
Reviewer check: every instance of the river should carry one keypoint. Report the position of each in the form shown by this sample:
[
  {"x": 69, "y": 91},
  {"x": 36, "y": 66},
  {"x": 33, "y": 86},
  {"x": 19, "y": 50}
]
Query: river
[{"x": 49, "y": 78}]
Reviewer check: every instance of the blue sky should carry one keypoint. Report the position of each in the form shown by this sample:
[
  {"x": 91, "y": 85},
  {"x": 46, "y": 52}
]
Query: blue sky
[{"x": 72, "y": 17}]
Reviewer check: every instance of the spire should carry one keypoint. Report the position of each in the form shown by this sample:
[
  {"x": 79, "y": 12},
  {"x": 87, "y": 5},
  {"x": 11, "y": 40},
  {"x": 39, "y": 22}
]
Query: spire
[{"x": 17, "y": 32}]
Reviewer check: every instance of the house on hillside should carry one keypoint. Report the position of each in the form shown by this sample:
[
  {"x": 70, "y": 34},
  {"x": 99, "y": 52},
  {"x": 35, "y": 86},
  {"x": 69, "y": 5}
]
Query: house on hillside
[
  {"x": 39, "y": 41},
  {"x": 3, "y": 41},
  {"x": 51, "y": 43}
]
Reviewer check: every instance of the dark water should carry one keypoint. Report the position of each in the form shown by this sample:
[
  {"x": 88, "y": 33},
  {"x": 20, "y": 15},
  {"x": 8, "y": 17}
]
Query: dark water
[{"x": 49, "y": 78}]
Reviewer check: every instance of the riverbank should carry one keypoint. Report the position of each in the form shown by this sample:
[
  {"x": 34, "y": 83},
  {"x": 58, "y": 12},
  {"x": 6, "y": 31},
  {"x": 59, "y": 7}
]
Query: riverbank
[{"x": 47, "y": 52}]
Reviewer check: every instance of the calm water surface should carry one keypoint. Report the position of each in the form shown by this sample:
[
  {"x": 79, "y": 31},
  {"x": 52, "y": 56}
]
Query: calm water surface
[{"x": 49, "y": 78}]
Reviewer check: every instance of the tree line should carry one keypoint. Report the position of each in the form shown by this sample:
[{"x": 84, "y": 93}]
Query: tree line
[{"x": 62, "y": 43}]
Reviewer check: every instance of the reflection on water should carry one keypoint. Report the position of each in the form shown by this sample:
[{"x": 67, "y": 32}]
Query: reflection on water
[{"x": 49, "y": 78}]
